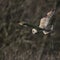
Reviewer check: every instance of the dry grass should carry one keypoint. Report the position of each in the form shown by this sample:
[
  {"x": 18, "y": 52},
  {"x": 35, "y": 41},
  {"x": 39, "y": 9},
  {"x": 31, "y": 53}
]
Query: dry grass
[{"x": 17, "y": 42}]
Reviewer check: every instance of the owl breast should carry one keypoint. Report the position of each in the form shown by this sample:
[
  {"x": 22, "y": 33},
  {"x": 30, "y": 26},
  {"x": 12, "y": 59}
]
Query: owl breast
[{"x": 44, "y": 22}]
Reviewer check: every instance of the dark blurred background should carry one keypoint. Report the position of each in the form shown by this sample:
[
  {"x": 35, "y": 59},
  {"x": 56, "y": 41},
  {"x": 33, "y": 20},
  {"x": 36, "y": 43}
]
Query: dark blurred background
[{"x": 17, "y": 42}]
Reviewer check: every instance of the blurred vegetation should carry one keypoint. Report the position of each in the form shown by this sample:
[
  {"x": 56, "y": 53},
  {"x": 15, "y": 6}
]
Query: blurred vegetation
[{"x": 17, "y": 42}]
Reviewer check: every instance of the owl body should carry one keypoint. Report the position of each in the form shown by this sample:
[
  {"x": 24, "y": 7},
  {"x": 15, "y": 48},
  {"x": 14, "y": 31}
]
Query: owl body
[{"x": 44, "y": 23}]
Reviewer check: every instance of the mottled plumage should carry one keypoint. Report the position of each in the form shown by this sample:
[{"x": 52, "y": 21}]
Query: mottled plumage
[{"x": 45, "y": 23}]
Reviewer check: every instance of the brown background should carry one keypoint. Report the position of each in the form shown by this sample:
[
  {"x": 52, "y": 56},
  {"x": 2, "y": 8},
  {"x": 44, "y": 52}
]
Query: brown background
[{"x": 17, "y": 42}]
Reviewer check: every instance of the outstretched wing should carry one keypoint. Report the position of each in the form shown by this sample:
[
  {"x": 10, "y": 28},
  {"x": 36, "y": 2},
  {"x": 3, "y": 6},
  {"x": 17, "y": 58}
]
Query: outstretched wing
[{"x": 51, "y": 21}]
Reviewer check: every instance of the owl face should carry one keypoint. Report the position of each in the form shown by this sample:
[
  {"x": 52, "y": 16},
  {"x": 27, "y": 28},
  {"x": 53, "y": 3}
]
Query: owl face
[
  {"x": 49, "y": 13},
  {"x": 34, "y": 31}
]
